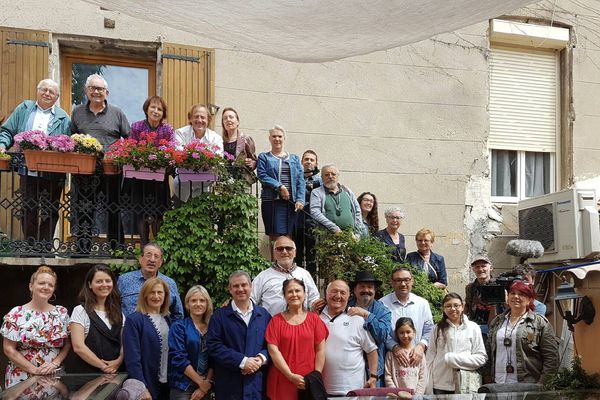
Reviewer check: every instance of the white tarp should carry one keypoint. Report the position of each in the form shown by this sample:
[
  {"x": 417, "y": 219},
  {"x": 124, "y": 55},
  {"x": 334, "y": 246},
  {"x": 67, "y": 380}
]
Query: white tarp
[{"x": 315, "y": 30}]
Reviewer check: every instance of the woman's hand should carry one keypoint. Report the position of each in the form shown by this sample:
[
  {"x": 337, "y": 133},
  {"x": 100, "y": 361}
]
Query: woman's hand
[
  {"x": 47, "y": 368},
  {"x": 198, "y": 394},
  {"x": 297, "y": 380},
  {"x": 298, "y": 206},
  {"x": 250, "y": 163},
  {"x": 284, "y": 193},
  {"x": 146, "y": 395},
  {"x": 439, "y": 285},
  {"x": 111, "y": 367}
]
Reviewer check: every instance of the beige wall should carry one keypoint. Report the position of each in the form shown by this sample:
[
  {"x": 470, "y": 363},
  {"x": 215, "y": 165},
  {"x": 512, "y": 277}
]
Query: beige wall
[{"x": 409, "y": 124}]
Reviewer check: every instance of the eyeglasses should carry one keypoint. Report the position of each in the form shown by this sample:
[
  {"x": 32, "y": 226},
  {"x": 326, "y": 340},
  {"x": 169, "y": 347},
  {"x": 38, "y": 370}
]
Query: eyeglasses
[
  {"x": 395, "y": 218},
  {"x": 152, "y": 255},
  {"x": 402, "y": 280},
  {"x": 48, "y": 90},
  {"x": 98, "y": 89},
  {"x": 330, "y": 174},
  {"x": 281, "y": 249},
  {"x": 452, "y": 306}
]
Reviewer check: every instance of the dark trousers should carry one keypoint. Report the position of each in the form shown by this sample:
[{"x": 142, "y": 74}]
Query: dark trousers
[
  {"x": 305, "y": 244},
  {"x": 41, "y": 202}
]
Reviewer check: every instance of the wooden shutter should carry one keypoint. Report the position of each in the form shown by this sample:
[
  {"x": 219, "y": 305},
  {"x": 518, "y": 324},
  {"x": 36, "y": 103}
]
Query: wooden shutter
[
  {"x": 187, "y": 79},
  {"x": 524, "y": 100},
  {"x": 23, "y": 63}
]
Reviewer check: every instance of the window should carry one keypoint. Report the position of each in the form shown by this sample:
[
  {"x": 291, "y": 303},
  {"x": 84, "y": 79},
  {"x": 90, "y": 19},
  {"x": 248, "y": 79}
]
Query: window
[{"x": 524, "y": 107}]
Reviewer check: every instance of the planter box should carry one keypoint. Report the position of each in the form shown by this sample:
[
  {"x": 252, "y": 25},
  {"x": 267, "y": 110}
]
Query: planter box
[
  {"x": 110, "y": 168},
  {"x": 4, "y": 164},
  {"x": 144, "y": 174},
  {"x": 56, "y": 161},
  {"x": 188, "y": 175}
]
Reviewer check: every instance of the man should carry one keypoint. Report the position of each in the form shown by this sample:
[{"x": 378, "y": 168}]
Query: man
[
  {"x": 475, "y": 308},
  {"x": 236, "y": 343},
  {"x": 377, "y": 318},
  {"x": 303, "y": 235},
  {"x": 403, "y": 303},
  {"x": 131, "y": 283},
  {"x": 38, "y": 188},
  {"x": 334, "y": 206},
  {"x": 266, "y": 287},
  {"x": 107, "y": 123},
  {"x": 346, "y": 344}
]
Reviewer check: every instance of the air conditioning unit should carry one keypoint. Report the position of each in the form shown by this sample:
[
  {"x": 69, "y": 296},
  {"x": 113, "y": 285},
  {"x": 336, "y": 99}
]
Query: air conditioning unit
[{"x": 566, "y": 223}]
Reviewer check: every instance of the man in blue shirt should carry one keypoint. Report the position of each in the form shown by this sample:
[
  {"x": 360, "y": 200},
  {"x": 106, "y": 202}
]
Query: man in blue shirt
[{"x": 131, "y": 283}]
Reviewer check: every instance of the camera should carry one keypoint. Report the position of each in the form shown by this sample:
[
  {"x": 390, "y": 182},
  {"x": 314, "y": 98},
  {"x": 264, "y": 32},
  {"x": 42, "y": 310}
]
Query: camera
[{"x": 495, "y": 292}]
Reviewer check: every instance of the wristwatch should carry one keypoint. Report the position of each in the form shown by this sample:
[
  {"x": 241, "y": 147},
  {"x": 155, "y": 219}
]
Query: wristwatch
[{"x": 372, "y": 375}]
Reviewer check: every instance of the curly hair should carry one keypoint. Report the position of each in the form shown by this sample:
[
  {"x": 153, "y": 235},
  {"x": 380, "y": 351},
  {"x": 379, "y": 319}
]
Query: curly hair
[{"x": 373, "y": 215}]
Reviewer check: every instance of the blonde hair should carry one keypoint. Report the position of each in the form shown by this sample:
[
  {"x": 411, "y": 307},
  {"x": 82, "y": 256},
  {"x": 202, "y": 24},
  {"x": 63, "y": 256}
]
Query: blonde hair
[
  {"x": 425, "y": 231},
  {"x": 142, "y": 306},
  {"x": 209, "y": 116},
  {"x": 43, "y": 269},
  {"x": 201, "y": 290}
]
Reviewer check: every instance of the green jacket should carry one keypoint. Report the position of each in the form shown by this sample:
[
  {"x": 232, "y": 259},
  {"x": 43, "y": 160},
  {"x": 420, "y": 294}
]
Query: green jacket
[
  {"x": 17, "y": 122},
  {"x": 537, "y": 347}
]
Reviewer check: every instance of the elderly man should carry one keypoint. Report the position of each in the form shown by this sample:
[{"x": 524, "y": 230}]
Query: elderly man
[
  {"x": 346, "y": 345},
  {"x": 334, "y": 206},
  {"x": 107, "y": 123},
  {"x": 266, "y": 287},
  {"x": 377, "y": 318},
  {"x": 475, "y": 308},
  {"x": 130, "y": 283},
  {"x": 37, "y": 188},
  {"x": 403, "y": 303},
  {"x": 236, "y": 343}
]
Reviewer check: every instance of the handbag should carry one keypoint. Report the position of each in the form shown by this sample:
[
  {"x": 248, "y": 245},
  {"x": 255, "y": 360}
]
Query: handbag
[{"x": 466, "y": 382}]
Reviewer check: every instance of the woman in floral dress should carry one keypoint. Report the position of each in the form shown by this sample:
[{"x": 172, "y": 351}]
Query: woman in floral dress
[{"x": 36, "y": 341}]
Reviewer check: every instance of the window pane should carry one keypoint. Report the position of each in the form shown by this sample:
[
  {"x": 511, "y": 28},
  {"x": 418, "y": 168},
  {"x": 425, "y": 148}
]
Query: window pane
[
  {"x": 504, "y": 173},
  {"x": 128, "y": 86},
  {"x": 537, "y": 173}
]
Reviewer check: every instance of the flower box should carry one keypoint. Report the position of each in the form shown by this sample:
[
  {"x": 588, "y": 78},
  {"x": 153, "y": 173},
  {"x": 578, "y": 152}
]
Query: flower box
[
  {"x": 4, "y": 164},
  {"x": 145, "y": 174},
  {"x": 110, "y": 168},
  {"x": 62, "y": 162},
  {"x": 188, "y": 175}
]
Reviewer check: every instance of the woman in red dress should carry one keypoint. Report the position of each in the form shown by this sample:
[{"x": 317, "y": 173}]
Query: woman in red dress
[{"x": 296, "y": 343}]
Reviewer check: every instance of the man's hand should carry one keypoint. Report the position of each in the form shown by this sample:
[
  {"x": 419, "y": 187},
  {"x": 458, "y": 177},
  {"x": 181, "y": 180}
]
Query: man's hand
[
  {"x": 318, "y": 305},
  {"x": 252, "y": 365},
  {"x": 371, "y": 383},
  {"x": 298, "y": 206},
  {"x": 416, "y": 354},
  {"x": 361, "y": 312},
  {"x": 401, "y": 356}
]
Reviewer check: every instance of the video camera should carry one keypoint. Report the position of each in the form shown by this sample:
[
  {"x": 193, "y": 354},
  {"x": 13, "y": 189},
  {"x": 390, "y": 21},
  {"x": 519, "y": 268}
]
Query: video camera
[{"x": 495, "y": 292}]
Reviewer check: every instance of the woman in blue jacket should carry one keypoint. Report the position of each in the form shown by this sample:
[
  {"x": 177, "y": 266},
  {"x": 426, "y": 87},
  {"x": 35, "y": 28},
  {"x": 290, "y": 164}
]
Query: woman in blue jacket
[
  {"x": 145, "y": 340},
  {"x": 424, "y": 259},
  {"x": 190, "y": 374},
  {"x": 282, "y": 178}
]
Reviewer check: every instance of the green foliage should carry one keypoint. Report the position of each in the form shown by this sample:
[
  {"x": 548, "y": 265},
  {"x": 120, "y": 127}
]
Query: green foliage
[
  {"x": 340, "y": 256},
  {"x": 572, "y": 379},
  {"x": 211, "y": 236}
]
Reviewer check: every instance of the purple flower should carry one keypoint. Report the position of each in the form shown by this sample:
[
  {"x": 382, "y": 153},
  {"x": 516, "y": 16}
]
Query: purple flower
[
  {"x": 61, "y": 143},
  {"x": 152, "y": 157},
  {"x": 195, "y": 155}
]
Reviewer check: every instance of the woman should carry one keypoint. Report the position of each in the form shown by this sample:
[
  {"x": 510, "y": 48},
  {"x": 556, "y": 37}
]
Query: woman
[
  {"x": 190, "y": 376},
  {"x": 36, "y": 339},
  {"x": 456, "y": 350},
  {"x": 150, "y": 194},
  {"x": 521, "y": 334},
  {"x": 368, "y": 209},
  {"x": 238, "y": 144},
  {"x": 282, "y": 178},
  {"x": 96, "y": 323},
  {"x": 426, "y": 260},
  {"x": 145, "y": 339},
  {"x": 199, "y": 118},
  {"x": 296, "y": 342},
  {"x": 391, "y": 235}
]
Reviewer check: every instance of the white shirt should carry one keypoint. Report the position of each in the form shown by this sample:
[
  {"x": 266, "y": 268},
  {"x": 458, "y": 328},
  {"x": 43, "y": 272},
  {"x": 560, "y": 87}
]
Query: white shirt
[
  {"x": 185, "y": 135},
  {"x": 344, "y": 368},
  {"x": 245, "y": 316},
  {"x": 81, "y": 317},
  {"x": 42, "y": 118},
  {"x": 268, "y": 285},
  {"x": 503, "y": 352},
  {"x": 416, "y": 308}
]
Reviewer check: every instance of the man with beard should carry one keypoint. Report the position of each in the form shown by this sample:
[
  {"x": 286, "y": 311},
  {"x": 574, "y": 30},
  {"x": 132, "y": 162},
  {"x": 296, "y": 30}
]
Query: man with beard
[
  {"x": 267, "y": 286},
  {"x": 475, "y": 309},
  {"x": 377, "y": 317},
  {"x": 334, "y": 206}
]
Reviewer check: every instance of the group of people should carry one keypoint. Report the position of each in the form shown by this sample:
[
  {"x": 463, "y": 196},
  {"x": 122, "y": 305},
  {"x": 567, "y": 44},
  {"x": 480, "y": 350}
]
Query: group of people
[{"x": 275, "y": 338}]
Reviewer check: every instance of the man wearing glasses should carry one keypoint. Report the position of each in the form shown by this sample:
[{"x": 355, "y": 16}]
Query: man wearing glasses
[
  {"x": 107, "y": 123},
  {"x": 267, "y": 286},
  {"x": 403, "y": 303}
]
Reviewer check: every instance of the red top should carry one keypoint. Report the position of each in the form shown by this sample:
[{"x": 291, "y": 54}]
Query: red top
[{"x": 297, "y": 345}]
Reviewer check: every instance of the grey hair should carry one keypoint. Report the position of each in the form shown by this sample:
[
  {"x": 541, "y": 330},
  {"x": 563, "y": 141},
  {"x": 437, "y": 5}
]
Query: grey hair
[
  {"x": 240, "y": 273},
  {"x": 48, "y": 82},
  {"x": 89, "y": 79},
  {"x": 337, "y": 280},
  {"x": 277, "y": 128},
  {"x": 330, "y": 166},
  {"x": 155, "y": 245},
  {"x": 390, "y": 210}
]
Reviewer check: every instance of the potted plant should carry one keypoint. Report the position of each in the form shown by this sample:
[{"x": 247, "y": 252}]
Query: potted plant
[
  {"x": 4, "y": 161},
  {"x": 200, "y": 162}
]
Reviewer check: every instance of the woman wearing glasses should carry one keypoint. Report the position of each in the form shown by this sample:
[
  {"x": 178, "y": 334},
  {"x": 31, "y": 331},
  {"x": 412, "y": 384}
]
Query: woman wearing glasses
[
  {"x": 369, "y": 211},
  {"x": 424, "y": 259},
  {"x": 391, "y": 234},
  {"x": 456, "y": 350}
]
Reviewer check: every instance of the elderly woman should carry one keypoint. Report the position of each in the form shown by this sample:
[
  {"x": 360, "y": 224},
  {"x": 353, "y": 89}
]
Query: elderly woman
[
  {"x": 151, "y": 195},
  {"x": 296, "y": 342},
  {"x": 145, "y": 339},
  {"x": 199, "y": 118},
  {"x": 523, "y": 345},
  {"x": 369, "y": 212},
  {"x": 236, "y": 143},
  {"x": 282, "y": 178},
  {"x": 190, "y": 375},
  {"x": 36, "y": 340},
  {"x": 426, "y": 260},
  {"x": 391, "y": 235},
  {"x": 96, "y": 323}
]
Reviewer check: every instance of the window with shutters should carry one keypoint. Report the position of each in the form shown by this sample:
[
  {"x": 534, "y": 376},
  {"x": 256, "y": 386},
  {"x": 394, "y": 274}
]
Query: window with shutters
[{"x": 524, "y": 112}]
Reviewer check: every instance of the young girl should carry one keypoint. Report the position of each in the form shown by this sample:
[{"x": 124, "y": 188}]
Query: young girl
[
  {"x": 397, "y": 375},
  {"x": 456, "y": 351}
]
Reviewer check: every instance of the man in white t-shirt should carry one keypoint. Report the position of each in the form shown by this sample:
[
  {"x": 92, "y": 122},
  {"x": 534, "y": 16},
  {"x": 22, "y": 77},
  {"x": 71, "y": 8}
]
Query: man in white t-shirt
[
  {"x": 344, "y": 368},
  {"x": 267, "y": 287}
]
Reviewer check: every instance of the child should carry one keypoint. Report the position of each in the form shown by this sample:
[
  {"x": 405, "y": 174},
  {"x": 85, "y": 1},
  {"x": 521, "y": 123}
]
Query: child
[{"x": 397, "y": 375}]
